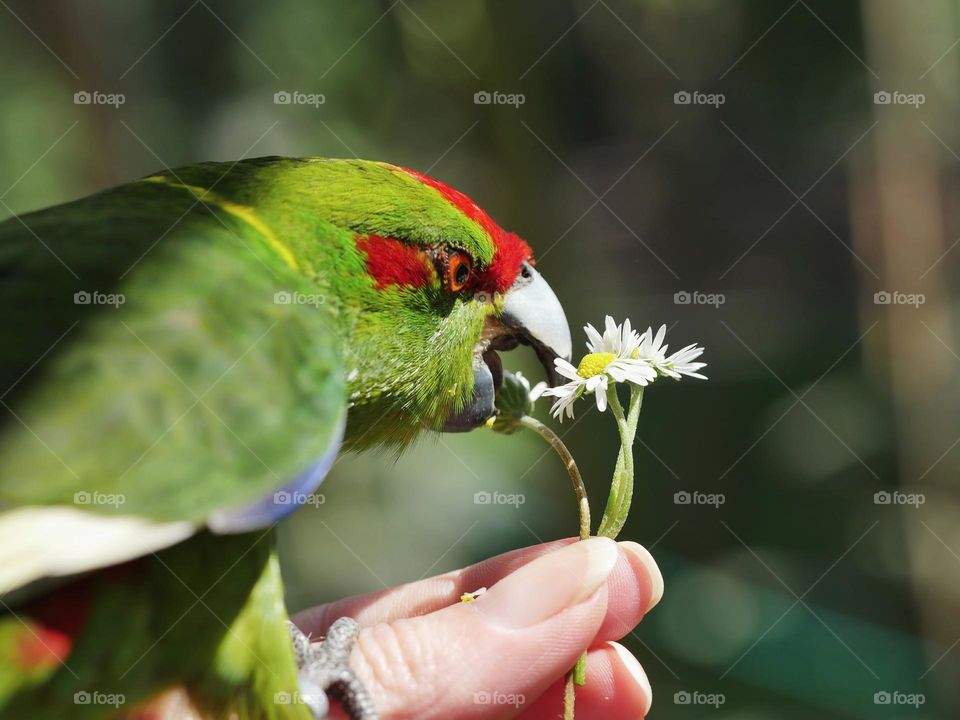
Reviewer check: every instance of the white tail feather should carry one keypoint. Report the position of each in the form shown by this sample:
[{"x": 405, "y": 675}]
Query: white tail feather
[{"x": 38, "y": 542}]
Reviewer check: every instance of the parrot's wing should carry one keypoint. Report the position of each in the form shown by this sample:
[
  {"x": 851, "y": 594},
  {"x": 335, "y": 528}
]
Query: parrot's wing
[{"x": 165, "y": 366}]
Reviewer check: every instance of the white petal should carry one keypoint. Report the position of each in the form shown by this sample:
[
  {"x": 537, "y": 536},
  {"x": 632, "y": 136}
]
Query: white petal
[
  {"x": 641, "y": 380},
  {"x": 611, "y": 336},
  {"x": 610, "y": 325},
  {"x": 641, "y": 375},
  {"x": 537, "y": 391},
  {"x": 564, "y": 406},
  {"x": 594, "y": 340},
  {"x": 690, "y": 352},
  {"x": 556, "y": 409},
  {"x": 661, "y": 334},
  {"x": 601, "y": 401},
  {"x": 566, "y": 369},
  {"x": 561, "y": 391},
  {"x": 691, "y": 370},
  {"x": 615, "y": 371}
]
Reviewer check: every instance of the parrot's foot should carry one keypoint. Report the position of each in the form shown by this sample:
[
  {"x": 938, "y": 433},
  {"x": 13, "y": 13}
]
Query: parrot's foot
[{"x": 325, "y": 672}]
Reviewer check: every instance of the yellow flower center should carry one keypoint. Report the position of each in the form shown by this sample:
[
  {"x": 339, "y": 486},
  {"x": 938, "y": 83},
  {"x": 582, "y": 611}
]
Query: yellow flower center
[{"x": 594, "y": 364}]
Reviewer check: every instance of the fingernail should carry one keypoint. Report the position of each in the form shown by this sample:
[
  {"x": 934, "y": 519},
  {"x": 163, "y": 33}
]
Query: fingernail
[
  {"x": 549, "y": 584},
  {"x": 636, "y": 672},
  {"x": 643, "y": 556}
]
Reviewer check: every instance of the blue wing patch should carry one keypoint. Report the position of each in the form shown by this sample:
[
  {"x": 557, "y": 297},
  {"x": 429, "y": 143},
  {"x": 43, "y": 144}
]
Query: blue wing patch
[{"x": 284, "y": 500}]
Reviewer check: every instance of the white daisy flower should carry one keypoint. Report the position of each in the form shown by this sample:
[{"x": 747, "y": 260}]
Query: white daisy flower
[
  {"x": 613, "y": 357},
  {"x": 619, "y": 355}
]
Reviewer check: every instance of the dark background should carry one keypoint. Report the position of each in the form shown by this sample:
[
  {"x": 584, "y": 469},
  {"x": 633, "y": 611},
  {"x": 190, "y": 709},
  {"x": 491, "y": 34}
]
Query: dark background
[{"x": 797, "y": 200}]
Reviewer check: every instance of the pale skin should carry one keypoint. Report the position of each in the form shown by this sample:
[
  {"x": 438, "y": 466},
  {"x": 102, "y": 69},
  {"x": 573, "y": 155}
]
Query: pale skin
[{"x": 425, "y": 654}]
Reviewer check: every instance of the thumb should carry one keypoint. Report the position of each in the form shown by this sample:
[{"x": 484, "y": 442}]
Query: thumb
[{"x": 491, "y": 657}]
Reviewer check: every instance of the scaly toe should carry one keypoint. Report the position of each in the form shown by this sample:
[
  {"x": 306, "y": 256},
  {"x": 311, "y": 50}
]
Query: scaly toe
[{"x": 325, "y": 672}]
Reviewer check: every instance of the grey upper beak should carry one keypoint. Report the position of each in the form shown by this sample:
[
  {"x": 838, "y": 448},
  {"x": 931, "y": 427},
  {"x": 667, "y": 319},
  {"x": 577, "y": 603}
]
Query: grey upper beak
[{"x": 531, "y": 309}]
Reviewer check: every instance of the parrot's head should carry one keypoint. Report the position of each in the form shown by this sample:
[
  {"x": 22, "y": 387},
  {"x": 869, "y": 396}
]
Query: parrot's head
[{"x": 440, "y": 289}]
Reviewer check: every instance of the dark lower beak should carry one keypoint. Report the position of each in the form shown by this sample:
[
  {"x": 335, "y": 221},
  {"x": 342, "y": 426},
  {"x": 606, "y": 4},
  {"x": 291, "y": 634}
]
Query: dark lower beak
[
  {"x": 532, "y": 316},
  {"x": 481, "y": 405}
]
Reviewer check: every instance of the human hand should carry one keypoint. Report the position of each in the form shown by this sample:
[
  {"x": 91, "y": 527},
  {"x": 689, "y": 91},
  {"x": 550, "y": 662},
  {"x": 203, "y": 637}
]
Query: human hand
[{"x": 422, "y": 653}]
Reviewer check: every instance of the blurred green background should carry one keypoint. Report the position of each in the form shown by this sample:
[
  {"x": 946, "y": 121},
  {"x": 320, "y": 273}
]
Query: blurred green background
[{"x": 804, "y": 199}]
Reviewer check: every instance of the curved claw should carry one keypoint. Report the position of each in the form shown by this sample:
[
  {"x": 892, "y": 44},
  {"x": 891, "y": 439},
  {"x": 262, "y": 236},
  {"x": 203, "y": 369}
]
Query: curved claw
[{"x": 325, "y": 672}]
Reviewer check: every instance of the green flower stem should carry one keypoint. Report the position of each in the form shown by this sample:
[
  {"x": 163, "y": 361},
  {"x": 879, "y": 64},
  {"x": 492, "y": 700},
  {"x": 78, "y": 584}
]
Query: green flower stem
[
  {"x": 578, "y": 675},
  {"x": 556, "y": 443},
  {"x": 618, "y": 504},
  {"x": 568, "y": 698},
  {"x": 633, "y": 416},
  {"x": 621, "y": 489}
]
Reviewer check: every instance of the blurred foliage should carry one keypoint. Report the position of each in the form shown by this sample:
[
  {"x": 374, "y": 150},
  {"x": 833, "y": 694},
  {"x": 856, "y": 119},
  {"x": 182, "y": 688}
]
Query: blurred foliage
[{"x": 796, "y": 597}]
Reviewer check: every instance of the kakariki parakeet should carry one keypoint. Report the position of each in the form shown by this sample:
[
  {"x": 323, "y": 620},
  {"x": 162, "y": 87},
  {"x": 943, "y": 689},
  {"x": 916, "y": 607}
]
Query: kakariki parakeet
[{"x": 183, "y": 358}]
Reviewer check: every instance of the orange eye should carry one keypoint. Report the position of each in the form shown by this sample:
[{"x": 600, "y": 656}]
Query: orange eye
[{"x": 459, "y": 267}]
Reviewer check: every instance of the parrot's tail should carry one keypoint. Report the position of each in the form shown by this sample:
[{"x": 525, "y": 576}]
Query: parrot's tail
[{"x": 55, "y": 541}]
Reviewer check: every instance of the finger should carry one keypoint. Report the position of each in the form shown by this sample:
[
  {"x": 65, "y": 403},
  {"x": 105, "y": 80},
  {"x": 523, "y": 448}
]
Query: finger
[
  {"x": 516, "y": 639},
  {"x": 636, "y": 585},
  {"x": 423, "y": 596},
  {"x": 617, "y": 688}
]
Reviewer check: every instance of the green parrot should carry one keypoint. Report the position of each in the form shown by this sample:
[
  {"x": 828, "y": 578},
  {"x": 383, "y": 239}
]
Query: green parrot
[{"x": 183, "y": 359}]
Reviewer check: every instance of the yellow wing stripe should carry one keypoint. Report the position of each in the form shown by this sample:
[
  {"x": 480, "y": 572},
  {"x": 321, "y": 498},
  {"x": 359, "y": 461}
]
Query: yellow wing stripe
[{"x": 242, "y": 212}]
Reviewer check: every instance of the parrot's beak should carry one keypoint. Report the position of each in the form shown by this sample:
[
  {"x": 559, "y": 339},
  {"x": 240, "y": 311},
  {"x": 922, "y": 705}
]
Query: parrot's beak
[
  {"x": 532, "y": 315},
  {"x": 533, "y": 312}
]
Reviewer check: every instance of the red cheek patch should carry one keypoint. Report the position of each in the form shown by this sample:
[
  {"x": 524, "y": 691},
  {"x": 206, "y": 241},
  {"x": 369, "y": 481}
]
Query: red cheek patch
[{"x": 393, "y": 262}]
